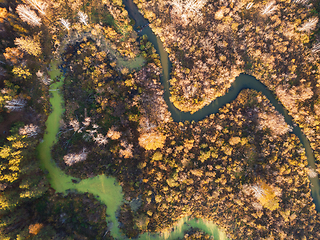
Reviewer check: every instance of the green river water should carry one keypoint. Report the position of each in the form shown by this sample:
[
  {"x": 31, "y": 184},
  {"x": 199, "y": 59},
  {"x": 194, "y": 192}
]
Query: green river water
[{"x": 106, "y": 189}]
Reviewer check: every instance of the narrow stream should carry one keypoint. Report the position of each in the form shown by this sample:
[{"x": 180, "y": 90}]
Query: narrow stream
[{"x": 106, "y": 189}]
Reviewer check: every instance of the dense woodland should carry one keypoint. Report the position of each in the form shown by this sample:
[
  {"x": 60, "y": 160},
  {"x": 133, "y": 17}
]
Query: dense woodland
[
  {"x": 211, "y": 42},
  {"x": 241, "y": 168}
]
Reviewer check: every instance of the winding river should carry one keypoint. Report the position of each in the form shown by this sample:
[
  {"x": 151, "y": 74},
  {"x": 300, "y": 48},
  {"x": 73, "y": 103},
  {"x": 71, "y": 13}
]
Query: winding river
[
  {"x": 241, "y": 82},
  {"x": 106, "y": 189}
]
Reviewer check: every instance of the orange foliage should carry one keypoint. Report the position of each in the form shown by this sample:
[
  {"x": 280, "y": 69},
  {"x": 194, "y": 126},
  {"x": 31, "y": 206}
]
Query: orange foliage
[
  {"x": 13, "y": 55},
  {"x": 3, "y": 14},
  {"x": 35, "y": 228}
]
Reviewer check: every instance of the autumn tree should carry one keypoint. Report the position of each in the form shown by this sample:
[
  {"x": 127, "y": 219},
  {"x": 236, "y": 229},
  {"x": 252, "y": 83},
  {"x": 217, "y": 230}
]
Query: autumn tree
[
  {"x": 17, "y": 167},
  {"x": 3, "y": 14},
  {"x": 152, "y": 140},
  {"x": 29, "y": 45},
  {"x": 13, "y": 55},
  {"x": 34, "y": 229},
  {"x": 266, "y": 196},
  {"x": 273, "y": 121},
  {"x": 113, "y": 134},
  {"x": 21, "y": 72}
]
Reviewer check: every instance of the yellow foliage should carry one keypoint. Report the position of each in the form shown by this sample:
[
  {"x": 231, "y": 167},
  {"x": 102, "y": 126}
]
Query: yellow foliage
[
  {"x": 234, "y": 26},
  {"x": 172, "y": 183},
  {"x": 152, "y": 140},
  {"x": 188, "y": 144},
  {"x": 110, "y": 33},
  {"x": 13, "y": 158},
  {"x": 10, "y": 178},
  {"x": 304, "y": 38},
  {"x": 268, "y": 199},
  {"x": 285, "y": 215},
  {"x": 223, "y": 58},
  {"x": 142, "y": 222},
  {"x": 158, "y": 198},
  {"x": 18, "y": 144},
  {"x": 197, "y": 172},
  {"x": 124, "y": 71},
  {"x": 204, "y": 156},
  {"x": 5, "y": 152},
  {"x": 14, "y": 168},
  {"x": 149, "y": 15},
  {"x": 4, "y": 204},
  {"x": 29, "y": 45},
  {"x": 157, "y": 156},
  {"x": 27, "y": 194}
]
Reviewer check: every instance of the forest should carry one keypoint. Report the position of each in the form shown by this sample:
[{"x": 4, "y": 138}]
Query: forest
[
  {"x": 241, "y": 168},
  {"x": 211, "y": 42}
]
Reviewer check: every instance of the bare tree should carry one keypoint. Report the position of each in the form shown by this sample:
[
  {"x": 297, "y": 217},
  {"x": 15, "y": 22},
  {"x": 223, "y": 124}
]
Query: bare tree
[
  {"x": 309, "y": 25},
  {"x": 186, "y": 9},
  {"x": 75, "y": 124},
  {"x": 73, "y": 158},
  {"x": 83, "y": 17},
  {"x": 195, "y": 6},
  {"x": 127, "y": 151},
  {"x": 301, "y": 1},
  {"x": 100, "y": 139},
  {"x": 258, "y": 191},
  {"x": 30, "y": 130},
  {"x": 316, "y": 48},
  {"x": 273, "y": 121},
  {"x": 15, "y": 104},
  {"x": 249, "y": 5},
  {"x": 43, "y": 78},
  {"x": 312, "y": 172},
  {"x": 39, "y": 5},
  {"x": 86, "y": 121},
  {"x": 269, "y": 8},
  {"x": 28, "y": 15},
  {"x": 65, "y": 23}
]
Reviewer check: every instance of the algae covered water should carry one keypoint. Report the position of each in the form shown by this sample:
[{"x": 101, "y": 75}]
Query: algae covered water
[{"x": 106, "y": 189}]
